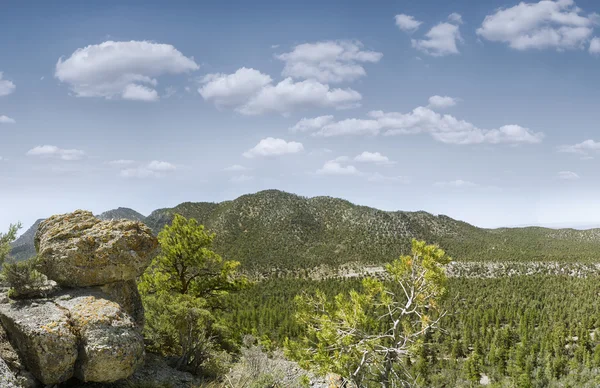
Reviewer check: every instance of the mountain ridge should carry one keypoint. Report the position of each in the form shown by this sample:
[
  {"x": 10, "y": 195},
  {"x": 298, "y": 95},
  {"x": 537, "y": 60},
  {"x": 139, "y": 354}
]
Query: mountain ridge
[{"x": 273, "y": 229}]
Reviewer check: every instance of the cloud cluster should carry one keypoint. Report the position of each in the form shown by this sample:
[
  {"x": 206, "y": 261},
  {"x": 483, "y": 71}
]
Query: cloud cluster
[
  {"x": 251, "y": 92},
  {"x": 6, "y": 86},
  {"x": 125, "y": 70},
  {"x": 328, "y": 61},
  {"x": 441, "y": 102},
  {"x": 546, "y": 24},
  {"x": 582, "y": 148},
  {"x": 444, "y": 128},
  {"x": 407, "y": 23},
  {"x": 440, "y": 40},
  {"x": 340, "y": 166},
  {"x": 373, "y": 157},
  {"x": 6, "y": 120},
  {"x": 51, "y": 151},
  {"x": 153, "y": 169},
  {"x": 273, "y": 147}
]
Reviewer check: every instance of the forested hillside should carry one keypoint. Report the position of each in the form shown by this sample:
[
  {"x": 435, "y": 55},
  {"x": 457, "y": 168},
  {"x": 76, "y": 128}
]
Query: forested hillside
[{"x": 274, "y": 230}]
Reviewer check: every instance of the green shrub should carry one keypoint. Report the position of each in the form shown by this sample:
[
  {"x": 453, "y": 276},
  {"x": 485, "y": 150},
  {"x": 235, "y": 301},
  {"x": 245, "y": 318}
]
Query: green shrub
[{"x": 23, "y": 279}]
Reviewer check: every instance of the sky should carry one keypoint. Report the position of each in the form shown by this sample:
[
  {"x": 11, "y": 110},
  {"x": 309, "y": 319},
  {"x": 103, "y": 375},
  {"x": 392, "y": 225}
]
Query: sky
[{"x": 486, "y": 112}]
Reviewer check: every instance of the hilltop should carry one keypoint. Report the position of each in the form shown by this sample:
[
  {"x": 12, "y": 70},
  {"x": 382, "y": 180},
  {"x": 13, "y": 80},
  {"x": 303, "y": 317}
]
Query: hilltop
[{"x": 272, "y": 229}]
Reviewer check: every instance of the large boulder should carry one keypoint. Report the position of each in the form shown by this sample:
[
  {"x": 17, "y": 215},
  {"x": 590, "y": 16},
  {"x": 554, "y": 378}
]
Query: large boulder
[
  {"x": 110, "y": 345},
  {"x": 42, "y": 335},
  {"x": 127, "y": 296},
  {"x": 79, "y": 250}
]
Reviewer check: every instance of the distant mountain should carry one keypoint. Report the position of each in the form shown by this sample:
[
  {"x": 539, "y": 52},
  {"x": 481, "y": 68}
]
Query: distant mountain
[
  {"x": 122, "y": 213},
  {"x": 277, "y": 230},
  {"x": 23, "y": 247}
]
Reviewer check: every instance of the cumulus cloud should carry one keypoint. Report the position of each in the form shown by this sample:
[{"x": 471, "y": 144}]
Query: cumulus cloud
[
  {"x": 444, "y": 128},
  {"x": 251, "y": 92},
  {"x": 373, "y": 157},
  {"x": 441, "y": 102},
  {"x": 458, "y": 183},
  {"x": 455, "y": 18},
  {"x": 237, "y": 168},
  {"x": 582, "y": 148},
  {"x": 121, "y": 69},
  {"x": 50, "y": 151},
  {"x": 546, "y": 24},
  {"x": 335, "y": 167},
  {"x": 154, "y": 169},
  {"x": 139, "y": 93},
  {"x": 121, "y": 162},
  {"x": 7, "y": 120},
  {"x": 328, "y": 61},
  {"x": 568, "y": 175},
  {"x": 273, "y": 147},
  {"x": 6, "y": 86},
  {"x": 594, "y": 46},
  {"x": 230, "y": 90},
  {"x": 308, "y": 125},
  {"x": 241, "y": 178},
  {"x": 407, "y": 23},
  {"x": 441, "y": 40}
]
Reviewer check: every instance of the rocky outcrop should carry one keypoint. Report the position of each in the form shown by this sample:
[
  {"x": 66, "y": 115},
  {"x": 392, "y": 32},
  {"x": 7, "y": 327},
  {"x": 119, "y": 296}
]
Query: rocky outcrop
[
  {"x": 79, "y": 250},
  {"x": 89, "y": 329},
  {"x": 41, "y": 334}
]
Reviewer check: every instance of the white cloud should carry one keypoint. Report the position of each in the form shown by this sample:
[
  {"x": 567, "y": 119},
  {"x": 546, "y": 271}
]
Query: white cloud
[
  {"x": 236, "y": 168},
  {"x": 594, "y": 46},
  {"x": 230, "y": 90},
  {"x": 407, "y": 23},
  {"x": 306, "y": 125},
  {"x": 160, "y": 166},
  {"x": 121, "y": 69},
  {"x": 334, "y": 167},
  {"x": 251, "y": 92},
  {"x": 154, "y": 169},
  {"x": 350, "y": 127},
  {"x": 568, "y": 175},
  {"x": 273, "y": 147},
  {"x": 440, "y": 40},
  {"x": 455, "y": 18},
  {"x": 241, "y": 178},
  {"x": 441, "y": 102},
  {"x": 459, "y": 183},
  {"x": 444, "y": 128},
  {"x": 139, "y": 93},
  {"x": 121, "y": 162},
  {"x": 6, "y": 120},
  {"x": 581, "y": 148},
  {"x": 543, "y": 25},
  {"x": 50, "y": 151},
  {"x": 373, "y": 157},
  {"x": 328, "y": 61},
  {"x": 6, "y": 86}
]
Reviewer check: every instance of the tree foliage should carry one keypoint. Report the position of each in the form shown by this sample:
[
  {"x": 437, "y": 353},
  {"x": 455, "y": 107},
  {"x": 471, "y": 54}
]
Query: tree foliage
[
  {"x": 183, "y": 291},
  {"x": 6, "y": 239},
  {"x": 368, "y": 337}
]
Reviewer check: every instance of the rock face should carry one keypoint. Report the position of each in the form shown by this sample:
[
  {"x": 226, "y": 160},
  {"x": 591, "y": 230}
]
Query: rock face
[
  {"x": 110, "y": 345},
  {"x": 79, "y": 250},
  {"x": 7, "y": 378},
  {"x": 91, "y": 329},
  {"x": 43, "y": 337}
]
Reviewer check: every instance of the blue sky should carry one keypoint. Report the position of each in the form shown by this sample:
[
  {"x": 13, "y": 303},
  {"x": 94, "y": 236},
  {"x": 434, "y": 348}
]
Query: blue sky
[{"x": 484, "y": 113}]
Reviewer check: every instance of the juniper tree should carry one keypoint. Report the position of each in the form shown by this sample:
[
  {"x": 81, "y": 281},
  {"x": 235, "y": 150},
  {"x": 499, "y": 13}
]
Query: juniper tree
[{"x": 368, "y": 336}]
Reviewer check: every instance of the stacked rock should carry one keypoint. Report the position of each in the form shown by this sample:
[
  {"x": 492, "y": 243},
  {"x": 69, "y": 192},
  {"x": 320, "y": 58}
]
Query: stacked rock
[{"x": 91, "y": 327}]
